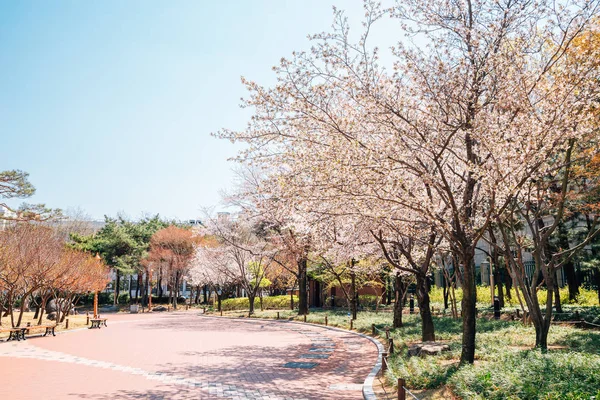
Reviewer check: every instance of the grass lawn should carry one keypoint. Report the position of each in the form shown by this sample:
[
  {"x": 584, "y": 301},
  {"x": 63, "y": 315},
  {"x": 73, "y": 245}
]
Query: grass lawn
[{"x": 506, "y": 365}]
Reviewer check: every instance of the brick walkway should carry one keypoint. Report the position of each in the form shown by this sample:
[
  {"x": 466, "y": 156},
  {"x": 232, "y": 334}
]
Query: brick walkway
[{"x": 186, "y": 356}]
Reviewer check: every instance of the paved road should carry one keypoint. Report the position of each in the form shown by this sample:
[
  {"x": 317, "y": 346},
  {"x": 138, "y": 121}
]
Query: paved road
[{"x": 187, "y": 356}]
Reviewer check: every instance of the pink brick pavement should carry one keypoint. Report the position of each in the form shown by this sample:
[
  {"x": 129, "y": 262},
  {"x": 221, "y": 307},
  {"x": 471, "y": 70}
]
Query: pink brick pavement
[{"x": 186, "y": 356}]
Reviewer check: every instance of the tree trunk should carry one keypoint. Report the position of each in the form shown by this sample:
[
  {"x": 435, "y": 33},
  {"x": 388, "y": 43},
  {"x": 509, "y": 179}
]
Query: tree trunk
[
  {"x": 42, "y": 308},
  {"x": 145, "y": 291},
  {"x": 170, "y": 290},
  {"x": 160, "y": 289},
  {"x": 572, "y": 281},
  {"x": 569, "y": 267},
  {"x": 469, "y": 310},
  {"x": 427, "y": 328},
  {"x": 353, "y": 302},
  {"x": 292, "y": 298},
  {"x": 7, "y": 310},
  {"x": 541, "y": 322},
  {"x": 21, "y": 311},
  {"x": 176, "y": 291},
  {"x": 251, "y": 297},
  {"x": 12, "y": 314},
  {"x": 66, "y": 309},
  {"x": 495, "y": 265},
  {"x": 205, "y": 294},
  {"x": 58, "y": 313},
  {"x": 400, "y": 290},
  {"x": 541, "y": 336},
  {"x": 130, "y": 285},
  {"x": 509, "y": 284},
  {"x": 177, "y": 278},
  {"x": 446, "y": 292},
  {"x": 557, "y": 303},
  {"x": 389, "y": 291},
  {"x": 140, "y": 282},
  {"x": 117, "y": 284},
  {"x": 302, "y": 287},
  {"x": 498, "y": 280},
  {"x": 453, "y": 301}
]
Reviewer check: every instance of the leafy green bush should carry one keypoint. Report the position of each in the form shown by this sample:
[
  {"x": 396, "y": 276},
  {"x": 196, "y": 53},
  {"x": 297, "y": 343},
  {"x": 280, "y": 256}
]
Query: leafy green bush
[
  {"x": 484, "y": 296},
  {"x": 367, "y": 300},
  {"x": 530, "y": 375},
  {"x": 585, "y": 298},
  {"x": 103, "y": 298},
  {"x": 269, "y": 302}
]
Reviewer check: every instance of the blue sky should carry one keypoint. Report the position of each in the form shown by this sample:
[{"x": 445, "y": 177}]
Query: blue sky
[{"x": 109, "y": 105}]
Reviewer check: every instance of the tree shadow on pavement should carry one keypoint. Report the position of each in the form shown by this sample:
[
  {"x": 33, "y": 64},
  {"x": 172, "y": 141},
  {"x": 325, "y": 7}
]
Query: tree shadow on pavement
[{"x": 255, "y": 368}]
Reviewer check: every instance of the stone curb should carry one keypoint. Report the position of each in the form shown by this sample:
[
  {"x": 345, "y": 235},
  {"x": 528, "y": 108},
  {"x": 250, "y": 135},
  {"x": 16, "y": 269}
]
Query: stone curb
[{"x": 367, "y": 390}]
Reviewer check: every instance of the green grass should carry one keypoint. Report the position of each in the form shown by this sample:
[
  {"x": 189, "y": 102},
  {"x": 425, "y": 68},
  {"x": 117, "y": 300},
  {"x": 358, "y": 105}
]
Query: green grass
[
  {"x": 531, "y": 375},
  {"x": 501, "y": 347}
]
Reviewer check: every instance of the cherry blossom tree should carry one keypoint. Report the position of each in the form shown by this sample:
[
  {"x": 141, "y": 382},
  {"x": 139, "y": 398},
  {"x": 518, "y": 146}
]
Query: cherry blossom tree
[
  {"x": 413, "y": 254},
  {"x": 278, "y": 222},
  {"x": 207, "y": 269},
  {"x": 347, "y": 253},
  {"x": 241, "y": 255},
  {"x": 541, "y": 209},
  {"x": 449, "y": 134}
]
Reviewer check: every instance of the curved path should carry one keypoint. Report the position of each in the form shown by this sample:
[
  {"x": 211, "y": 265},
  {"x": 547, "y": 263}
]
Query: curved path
[{"x": 186, "y": 356}]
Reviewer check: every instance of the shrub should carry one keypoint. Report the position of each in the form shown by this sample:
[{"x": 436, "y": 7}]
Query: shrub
[
  {"x": 530, "y": 375},
  {"x": 269, "y": 302},
  {"x": 484, "y": 296},
  {"x": 586, "y": 297},
  {"x": 367, "y": 300},
  {"x": 103, "y": 298}
]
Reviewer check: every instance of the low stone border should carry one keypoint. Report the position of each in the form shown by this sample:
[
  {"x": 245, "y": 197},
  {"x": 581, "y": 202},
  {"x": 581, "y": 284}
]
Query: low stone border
[{"x": 367, "y": 389}]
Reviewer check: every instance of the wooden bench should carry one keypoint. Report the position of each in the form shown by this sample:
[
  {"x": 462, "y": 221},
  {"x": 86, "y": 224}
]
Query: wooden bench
[
  {"x": 97, "y": 323},
  {"x": 15, "y": 333},
  {"x": 49, "y": 329},
  {"x": 19, "y": 332}
]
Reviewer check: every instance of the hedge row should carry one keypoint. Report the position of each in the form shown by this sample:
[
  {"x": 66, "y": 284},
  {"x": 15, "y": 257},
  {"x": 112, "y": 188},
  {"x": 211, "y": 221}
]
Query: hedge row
[{"x": 269, "y": 302}]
